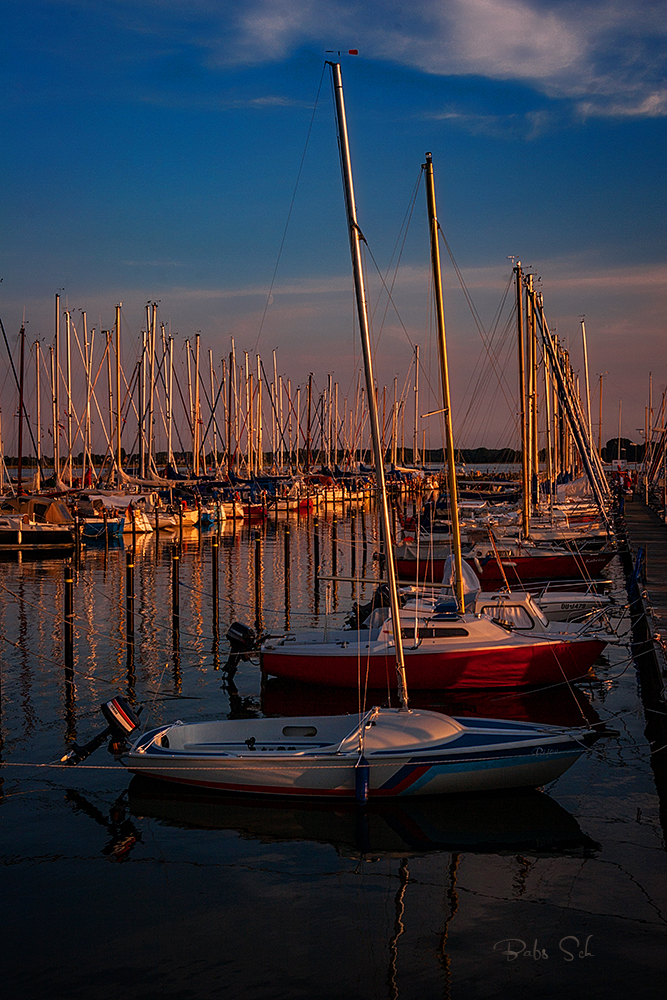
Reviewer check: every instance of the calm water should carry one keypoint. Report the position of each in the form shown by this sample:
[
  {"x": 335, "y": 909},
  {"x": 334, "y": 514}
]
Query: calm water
[{"x": 113, "y": 888}]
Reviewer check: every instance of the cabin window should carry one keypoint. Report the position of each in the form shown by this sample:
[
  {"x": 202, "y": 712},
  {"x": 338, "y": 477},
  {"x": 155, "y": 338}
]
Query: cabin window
[
  {"x": 431, "y": 632},
  {"x": 293, "y": 731},
  {"x": 515, "y": 614}
]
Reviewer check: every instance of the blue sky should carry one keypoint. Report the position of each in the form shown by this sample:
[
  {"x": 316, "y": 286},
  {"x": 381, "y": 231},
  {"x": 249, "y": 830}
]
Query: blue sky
[{"x": 151, "y": 151}]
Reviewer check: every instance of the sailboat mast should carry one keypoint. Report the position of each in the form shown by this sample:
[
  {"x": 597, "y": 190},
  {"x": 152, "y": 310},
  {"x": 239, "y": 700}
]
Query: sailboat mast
[
  {"x": 444, "y": 379},
  {"x": 525, "y": 519},
  {"x": 118, "y": 400},
  {"x": 587, "y": 386},
  {"x": 38, "y": 388},
  {"x": 364, "y": 329},
  {"x": 22, "y": 354},
  {"x": 56, "y": 394}
]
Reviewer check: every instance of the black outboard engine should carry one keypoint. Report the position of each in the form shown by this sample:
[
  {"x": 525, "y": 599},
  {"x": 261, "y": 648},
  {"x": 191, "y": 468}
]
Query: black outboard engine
[
  {"x": 122, "y": 721},
  {"x": 241, "y": 638}
]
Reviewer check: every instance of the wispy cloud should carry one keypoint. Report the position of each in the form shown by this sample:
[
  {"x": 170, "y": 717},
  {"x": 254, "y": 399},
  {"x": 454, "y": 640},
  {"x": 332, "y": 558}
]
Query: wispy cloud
[{"x": 607, "y": 56}]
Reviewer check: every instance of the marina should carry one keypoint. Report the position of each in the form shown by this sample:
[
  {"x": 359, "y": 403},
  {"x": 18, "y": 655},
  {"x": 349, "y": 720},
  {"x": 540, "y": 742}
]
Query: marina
[
  {"x": 435, "y": 898},
  {"x": 333, "y": 649}
]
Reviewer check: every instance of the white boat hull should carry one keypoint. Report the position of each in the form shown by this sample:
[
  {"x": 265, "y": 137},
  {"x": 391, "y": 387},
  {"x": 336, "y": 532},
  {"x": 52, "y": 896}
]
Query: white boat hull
[{"x": 415, "y": 753}]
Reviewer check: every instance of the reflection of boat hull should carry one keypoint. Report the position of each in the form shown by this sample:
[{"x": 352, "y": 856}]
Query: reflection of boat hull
[
  {"x": 517, "y": 664},
  {"x": 510, "y": 821},
  {"x": 563, "y": 705},
  {"x": 405, "y": 754}
]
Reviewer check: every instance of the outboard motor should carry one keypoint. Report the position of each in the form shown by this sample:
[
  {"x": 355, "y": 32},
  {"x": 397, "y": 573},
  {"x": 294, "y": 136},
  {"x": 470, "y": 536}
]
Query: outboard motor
[
  {"x": 122, "y": 721},
  {"x": 241, "y": 638}
]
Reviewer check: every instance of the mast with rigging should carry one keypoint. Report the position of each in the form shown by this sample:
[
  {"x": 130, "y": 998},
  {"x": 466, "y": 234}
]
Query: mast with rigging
[{"x": 356, "y": 239}]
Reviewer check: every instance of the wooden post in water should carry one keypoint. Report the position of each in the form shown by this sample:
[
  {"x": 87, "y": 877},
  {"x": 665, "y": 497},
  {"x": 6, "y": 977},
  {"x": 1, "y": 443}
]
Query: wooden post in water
[
  {"x": 334, "y": 545},
  {"x": 175, "y": 599},
  {"x": 129, "y": 611},
  {"x": 215, "y": 546},
  {"x": 134, "y": 527},
  {"x": 258, "y": 583},
  {"x": 69, "y": 613},
  {"x": 353, "y": 551},
  {"x": 129, "y": 596},
  {"x": 316, "y": 554},
  {"x": 286, "y": 571},
  {"x": 334, "y": 557},
  {"x": 364, "y": 543},
  {"x": 70, "y": 691}
]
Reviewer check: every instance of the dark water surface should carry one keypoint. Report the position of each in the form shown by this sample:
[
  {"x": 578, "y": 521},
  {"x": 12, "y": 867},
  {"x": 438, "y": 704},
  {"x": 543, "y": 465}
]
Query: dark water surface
[{"x": 116, "y": 888}]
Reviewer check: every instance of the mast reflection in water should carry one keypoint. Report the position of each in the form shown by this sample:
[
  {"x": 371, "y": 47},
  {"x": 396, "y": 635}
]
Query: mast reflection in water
[{"x": 186, "y": 895}]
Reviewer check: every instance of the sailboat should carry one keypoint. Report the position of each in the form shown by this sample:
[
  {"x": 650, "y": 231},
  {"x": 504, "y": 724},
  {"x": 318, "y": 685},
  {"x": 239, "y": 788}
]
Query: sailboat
[
  {"x": 377, "y": 753},
  {"x": 444, "y": 648}
]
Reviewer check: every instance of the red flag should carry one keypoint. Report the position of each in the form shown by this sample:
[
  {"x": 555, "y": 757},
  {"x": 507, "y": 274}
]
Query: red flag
[{"x": 353, "y": 52}]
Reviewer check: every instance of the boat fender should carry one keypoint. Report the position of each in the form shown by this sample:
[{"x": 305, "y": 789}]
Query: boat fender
[{"x": 362, "y": 774}]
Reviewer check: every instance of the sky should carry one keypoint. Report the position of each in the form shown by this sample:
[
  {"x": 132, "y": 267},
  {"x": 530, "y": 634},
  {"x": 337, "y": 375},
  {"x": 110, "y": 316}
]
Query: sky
[{"x": 185, "y": 153}]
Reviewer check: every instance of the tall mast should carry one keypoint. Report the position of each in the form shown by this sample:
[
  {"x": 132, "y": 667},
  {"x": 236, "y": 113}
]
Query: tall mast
[
  {"x": 549, "y": 456},
  {"x": 310, "y": 403},
  {"x": 38, "y": 389},
  {"x": 364, "y": 329},
  {"x": 68, "y": 355},
  {"x": 170, "y": 453},
  {"x": 196, "y": 444},
  {"x": 587, "y": 385},
  {"x": 602, "y": 375},
  {"x": 152, "y": 343},
  {"x": 525, "y": 518},
  {"x": 444, "y": 379},
  {"x": 415, "y": 433},
  {"x": 142, "y": 400},
  {"x": 215, "y": 423},
  {"x": 107, "y": 334},
  {"x": 532, "y": 392},
  {"x": 20, "y": 467},
  {"x": 88, "y": 354},
  {"x": 260, "y": 455},
  {"x": 118, "y": 401},
  {"x": 56, "y": 395},
  {"x": 54, "y": 412}
]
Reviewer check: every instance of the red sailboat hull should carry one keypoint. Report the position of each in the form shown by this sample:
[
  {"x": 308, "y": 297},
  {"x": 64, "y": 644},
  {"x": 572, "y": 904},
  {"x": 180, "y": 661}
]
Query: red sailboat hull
[{"x": 521, "y": 665}]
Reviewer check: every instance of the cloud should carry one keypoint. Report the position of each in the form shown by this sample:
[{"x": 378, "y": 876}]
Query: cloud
[
  {"x": 607, "y": 56},
  {"x": 599, "y": 48}
]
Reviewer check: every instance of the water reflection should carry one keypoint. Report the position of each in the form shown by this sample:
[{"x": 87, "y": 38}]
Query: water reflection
[
  {"x": 123, "y": 834},
  {"x": 527, "y": 821},
  {"x": 561, "y": 705}
]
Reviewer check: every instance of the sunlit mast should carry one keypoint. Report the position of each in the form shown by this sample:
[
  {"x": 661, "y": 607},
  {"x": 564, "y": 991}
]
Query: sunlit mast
[
  {"x": 444, "y": 379},
  {"x": 356, "y": 239}
]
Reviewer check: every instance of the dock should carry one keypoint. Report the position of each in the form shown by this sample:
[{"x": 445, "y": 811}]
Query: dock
[
  {"x": 642, "y": 540},
  {"x": 642, "y": 536}
]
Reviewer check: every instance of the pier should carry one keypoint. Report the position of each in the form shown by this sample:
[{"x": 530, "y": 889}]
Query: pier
[{"x": 642, "y": 537}]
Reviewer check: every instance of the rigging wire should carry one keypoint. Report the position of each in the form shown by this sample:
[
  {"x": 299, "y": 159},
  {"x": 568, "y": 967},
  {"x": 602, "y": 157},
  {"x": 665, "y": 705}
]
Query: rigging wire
[{"x": 289, "y": 213}]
